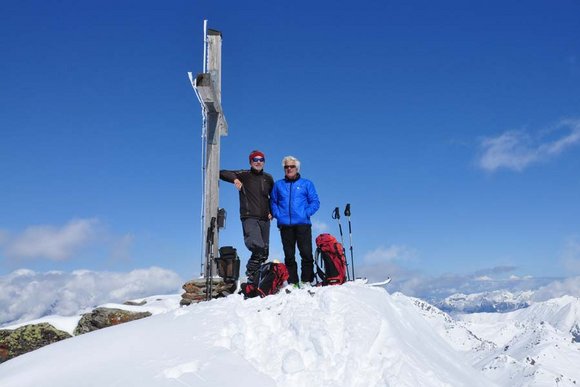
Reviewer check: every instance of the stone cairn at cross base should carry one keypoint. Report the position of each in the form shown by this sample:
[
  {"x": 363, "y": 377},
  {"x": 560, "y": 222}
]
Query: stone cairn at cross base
[{"x": 195, "y": 290}]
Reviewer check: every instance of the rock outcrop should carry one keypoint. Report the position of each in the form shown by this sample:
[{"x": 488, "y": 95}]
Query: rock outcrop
[
  {"x": 15, "y": 342},
  {"x": 195, "y": 290},
  {"x": 105, "y": 317},
  {"x": 28, "y": 338}
]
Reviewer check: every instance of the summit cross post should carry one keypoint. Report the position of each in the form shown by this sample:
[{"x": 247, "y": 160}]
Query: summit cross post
[{"x": 207, "y": 86}]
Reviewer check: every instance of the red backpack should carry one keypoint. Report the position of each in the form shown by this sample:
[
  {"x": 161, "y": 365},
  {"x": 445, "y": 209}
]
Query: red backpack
[
  {"x": 271, "y": 278},
  {"x": 330, "y": 260}
]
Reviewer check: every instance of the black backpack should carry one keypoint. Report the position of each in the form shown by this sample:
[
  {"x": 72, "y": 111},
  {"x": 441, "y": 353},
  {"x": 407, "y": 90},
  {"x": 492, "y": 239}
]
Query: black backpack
[{"x": 228, "y": 264}]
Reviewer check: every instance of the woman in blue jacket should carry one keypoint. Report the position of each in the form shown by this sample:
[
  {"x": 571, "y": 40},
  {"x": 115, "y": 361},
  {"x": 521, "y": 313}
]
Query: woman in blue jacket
[{"x": 294, "y": 200}]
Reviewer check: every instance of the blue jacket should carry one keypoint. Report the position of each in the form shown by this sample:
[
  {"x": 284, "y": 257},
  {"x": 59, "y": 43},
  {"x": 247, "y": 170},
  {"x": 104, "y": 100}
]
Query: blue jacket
[{"x": 293, "y": 202}]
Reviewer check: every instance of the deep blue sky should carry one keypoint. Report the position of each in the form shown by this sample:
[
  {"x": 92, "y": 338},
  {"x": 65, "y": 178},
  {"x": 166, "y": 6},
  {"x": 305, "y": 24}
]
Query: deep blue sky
[{"x": 453, "y": 129}]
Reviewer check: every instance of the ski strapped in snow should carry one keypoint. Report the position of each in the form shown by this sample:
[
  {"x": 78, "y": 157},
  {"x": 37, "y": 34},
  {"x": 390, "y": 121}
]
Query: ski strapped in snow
[{"x": 379, "y": 283}]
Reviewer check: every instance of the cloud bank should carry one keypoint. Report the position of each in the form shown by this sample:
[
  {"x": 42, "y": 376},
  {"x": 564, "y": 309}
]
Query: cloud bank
[
  {"x": 54, "y": 243},
  {"x": 516, "y": 150},
  {"x": 433, "y": 288},
  {"x": 27, "y": 295},
  {"x": 62, "y": 243},
  {"x": 569, "y": 286}
]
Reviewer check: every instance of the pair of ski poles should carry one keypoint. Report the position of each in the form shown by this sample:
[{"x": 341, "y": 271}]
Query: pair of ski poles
[{"x": 336, "y": 215}]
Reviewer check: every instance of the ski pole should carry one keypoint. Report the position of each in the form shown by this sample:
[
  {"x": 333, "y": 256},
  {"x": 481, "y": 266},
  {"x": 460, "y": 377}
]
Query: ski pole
[
  {"x": 209, "y": 270},
  {"x": 336, "y": 215},
  {"x": 347, "y": 214}
]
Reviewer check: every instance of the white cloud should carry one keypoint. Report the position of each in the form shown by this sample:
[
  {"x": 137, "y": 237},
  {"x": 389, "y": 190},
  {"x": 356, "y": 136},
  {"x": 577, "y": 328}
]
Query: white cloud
[
  {"x": 571, "y": 255},
  {"x": 319, "y": 227},
  {"x": 569, "y": 286},
  {"x": 517, "y": 150},
  {"x": 26, "y": 295},
  {"x": 509, "y": 150},
  {"x": 388, "y": 254},
  {"x": 423, "y": 285},
  {"x": 64, "y": 242},
  {"x": 49, "y": 242}
]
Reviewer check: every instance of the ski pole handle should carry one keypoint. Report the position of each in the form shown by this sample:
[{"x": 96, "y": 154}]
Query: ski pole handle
[
  {"x": 347, "y": 210},
  {"x": 336, "y": 213}
]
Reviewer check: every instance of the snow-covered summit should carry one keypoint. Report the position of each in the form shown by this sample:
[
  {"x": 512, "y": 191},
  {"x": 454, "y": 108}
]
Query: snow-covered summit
[{"x": 350, "y": 335}]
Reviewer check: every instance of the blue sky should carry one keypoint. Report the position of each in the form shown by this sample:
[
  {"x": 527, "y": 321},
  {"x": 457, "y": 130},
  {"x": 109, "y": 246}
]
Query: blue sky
[{"x": 452, "y": 128}]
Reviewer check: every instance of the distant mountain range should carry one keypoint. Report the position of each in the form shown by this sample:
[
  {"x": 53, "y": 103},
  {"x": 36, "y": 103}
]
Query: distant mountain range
[{"x": 486, "y": 302}]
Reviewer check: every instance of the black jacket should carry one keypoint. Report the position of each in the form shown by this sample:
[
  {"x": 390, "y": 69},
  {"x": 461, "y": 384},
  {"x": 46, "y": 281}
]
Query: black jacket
[{"x": 255, "y": 192}]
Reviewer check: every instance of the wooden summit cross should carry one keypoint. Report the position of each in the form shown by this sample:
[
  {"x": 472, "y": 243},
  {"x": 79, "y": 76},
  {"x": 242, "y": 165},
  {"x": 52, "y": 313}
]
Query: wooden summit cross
[{"x": 207, "y": 86}]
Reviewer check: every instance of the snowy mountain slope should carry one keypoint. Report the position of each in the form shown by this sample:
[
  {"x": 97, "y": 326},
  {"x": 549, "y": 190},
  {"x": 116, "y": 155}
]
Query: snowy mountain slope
[
  {"x": 455, "y": 332},
  {"x": 350, "y": 335},
  {"x": 536, "y": 345},
  {"x": 562, "y": 313},
  {"x": 539, "y": 355}
]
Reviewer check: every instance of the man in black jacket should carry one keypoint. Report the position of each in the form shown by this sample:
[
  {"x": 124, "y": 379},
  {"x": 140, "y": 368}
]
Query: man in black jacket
[{"x": 255, "y": 186}]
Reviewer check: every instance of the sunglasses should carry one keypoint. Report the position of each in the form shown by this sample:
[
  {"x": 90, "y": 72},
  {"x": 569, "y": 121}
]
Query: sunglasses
[
  {"x": 289, "y": 166},
  {"x": 258, "y": 159}
]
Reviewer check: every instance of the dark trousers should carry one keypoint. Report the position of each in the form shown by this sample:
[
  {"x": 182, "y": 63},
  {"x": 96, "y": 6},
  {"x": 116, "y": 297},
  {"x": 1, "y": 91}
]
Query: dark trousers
[
  {"x": 256, "y": 239},
  {"x": 301, "y": 236}
]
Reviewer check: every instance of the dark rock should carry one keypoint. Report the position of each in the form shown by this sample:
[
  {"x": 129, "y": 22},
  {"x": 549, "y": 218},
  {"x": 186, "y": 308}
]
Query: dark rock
[
  {"x": 105, "y": 317},
  {"x": 133, "y": 303},
  {"x": 575, "y": 331},
  {"x": 28, "y": 338}
]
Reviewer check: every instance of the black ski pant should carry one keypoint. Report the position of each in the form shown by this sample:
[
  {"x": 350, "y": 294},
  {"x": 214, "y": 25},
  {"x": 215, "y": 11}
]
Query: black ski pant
[
  {"x": 301, "y": 236},
  {"x": 256, "y": 239}
]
